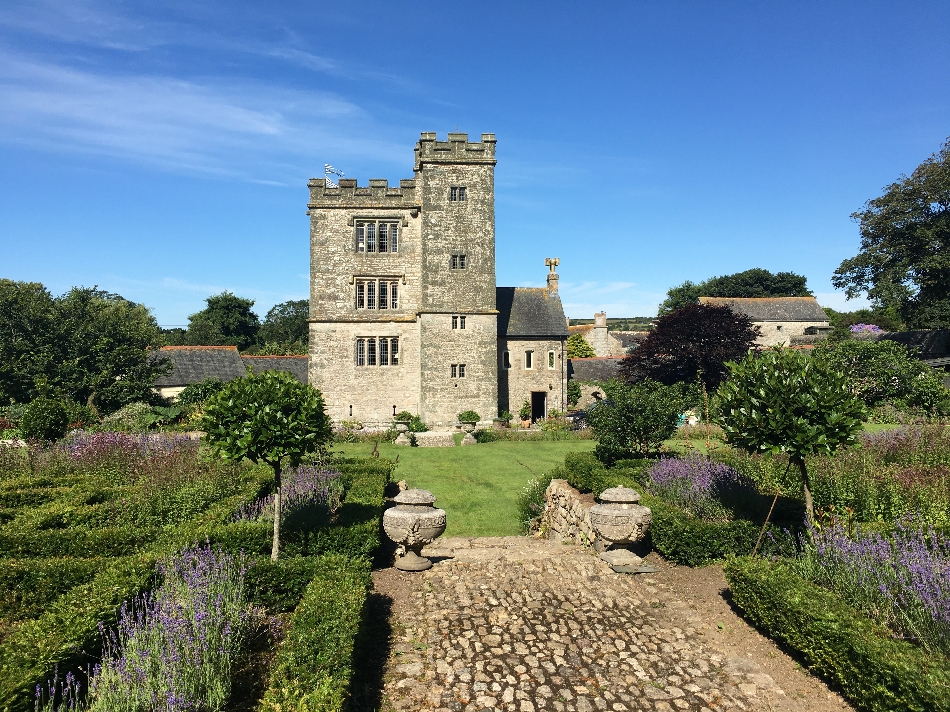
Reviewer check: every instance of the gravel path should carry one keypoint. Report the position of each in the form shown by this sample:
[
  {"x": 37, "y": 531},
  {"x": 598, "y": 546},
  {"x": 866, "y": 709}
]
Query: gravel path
[{"x": 522, "y": 624}]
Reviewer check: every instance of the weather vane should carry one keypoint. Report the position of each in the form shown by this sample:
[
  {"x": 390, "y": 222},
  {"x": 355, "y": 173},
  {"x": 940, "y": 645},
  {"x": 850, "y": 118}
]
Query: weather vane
[{"x": 328, "y": 171}]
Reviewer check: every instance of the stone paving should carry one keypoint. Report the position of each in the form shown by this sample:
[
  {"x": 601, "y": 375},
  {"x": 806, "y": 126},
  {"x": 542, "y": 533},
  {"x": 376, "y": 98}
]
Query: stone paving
[{"x": 522, "y": 624}]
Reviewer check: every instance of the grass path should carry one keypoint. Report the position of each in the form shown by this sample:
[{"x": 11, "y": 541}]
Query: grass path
[{"x": 477, "y": 486}]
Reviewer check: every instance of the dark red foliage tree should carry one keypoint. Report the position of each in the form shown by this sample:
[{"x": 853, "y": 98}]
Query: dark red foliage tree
[{"x": 695, "y": 341}]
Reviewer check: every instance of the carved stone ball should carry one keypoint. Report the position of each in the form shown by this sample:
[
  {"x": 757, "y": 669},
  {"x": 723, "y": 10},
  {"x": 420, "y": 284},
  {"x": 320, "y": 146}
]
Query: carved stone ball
[
  {"x": 618, "y": 519},
  {"x": 414, "y": 522}
]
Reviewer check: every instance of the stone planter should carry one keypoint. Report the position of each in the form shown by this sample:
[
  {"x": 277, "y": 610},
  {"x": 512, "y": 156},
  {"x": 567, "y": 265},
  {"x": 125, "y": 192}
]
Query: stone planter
[
  {"x": 401, "y": 425},
  {"x": 469, "y": 427},
  {"x": 412, "y": 524},
  {"x": 620, "y": 521}
]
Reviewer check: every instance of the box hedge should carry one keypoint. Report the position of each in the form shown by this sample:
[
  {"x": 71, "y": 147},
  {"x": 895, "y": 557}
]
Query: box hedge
[
  {"x": 313, "y": 665},
  {"x": 876, "y": 671}
]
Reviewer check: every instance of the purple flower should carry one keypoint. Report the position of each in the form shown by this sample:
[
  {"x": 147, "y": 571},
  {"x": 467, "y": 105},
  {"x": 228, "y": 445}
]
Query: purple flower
[{"x": 693, "y": 483}]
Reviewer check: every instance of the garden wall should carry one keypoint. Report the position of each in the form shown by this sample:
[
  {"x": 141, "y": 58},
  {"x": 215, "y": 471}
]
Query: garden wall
[{"x": 567, "y": 513}]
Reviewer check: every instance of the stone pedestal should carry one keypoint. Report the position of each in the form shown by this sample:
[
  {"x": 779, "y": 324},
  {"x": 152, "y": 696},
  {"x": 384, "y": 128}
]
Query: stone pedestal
[
  {"x": 620, "y": 521},
  {"x": 435, "y": 439},
  {"x": 469, "y": 439},
  {"x": 402, "y": 439},
  {"x": 413, "y": 523}
]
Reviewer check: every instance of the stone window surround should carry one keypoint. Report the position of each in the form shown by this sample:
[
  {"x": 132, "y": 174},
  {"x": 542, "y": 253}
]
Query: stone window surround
[
  {"x": 458, "y": 321},
  {"x": 459, "y": 261},
  {"x": 376, "y": 351},
  {"x": 458, "y": 370},
  {"x": 370, "y": 291},
  {"x": 529, "y": 359},
  {"x": 552, "y": 361},
  {"x": 361, "y": 235},
  {"x": 458, "y": 194}
]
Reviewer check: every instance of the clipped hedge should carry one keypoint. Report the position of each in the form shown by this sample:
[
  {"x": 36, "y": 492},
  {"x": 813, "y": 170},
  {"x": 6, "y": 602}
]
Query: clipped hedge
[
  {"x": 75, "y": 542},
  {"x": 689, "y": 541},
  {"x": 876, "y": 671},
  {"x": 312, "y": 669},
  {"x": 28, "y": 586},
  {"x": 65, "y": 635}
]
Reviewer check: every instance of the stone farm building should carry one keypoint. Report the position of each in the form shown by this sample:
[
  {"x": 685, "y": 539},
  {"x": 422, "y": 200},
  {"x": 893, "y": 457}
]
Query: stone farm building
[
  {"x": 405, "y": 313},
  {"x": 778, "y": 318}
]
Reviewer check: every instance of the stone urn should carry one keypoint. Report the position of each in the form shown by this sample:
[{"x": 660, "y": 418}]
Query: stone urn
[
  {"x": 412, "y": 524},
  {"x": 618, "y": 522},
  {"x": 401, "y": 425},
  {"x": 468, "y": 426}
]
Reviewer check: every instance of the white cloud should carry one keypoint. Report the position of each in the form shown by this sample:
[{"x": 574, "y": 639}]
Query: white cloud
[{"x": 247, "y": 130}]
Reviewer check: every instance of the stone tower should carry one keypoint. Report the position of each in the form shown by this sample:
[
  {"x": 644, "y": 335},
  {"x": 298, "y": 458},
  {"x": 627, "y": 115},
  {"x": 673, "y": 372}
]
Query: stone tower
[{"x": 402, "y": 293}]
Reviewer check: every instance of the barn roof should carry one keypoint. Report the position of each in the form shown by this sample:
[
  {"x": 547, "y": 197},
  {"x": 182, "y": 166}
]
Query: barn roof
[
  {"x": 191, "y": 364},
  {"x": 529, "y": 311},
  {"x": 593, "y": 369},
  {"x": 294, "y": 365},
  {"x": 772, "y": 308}
]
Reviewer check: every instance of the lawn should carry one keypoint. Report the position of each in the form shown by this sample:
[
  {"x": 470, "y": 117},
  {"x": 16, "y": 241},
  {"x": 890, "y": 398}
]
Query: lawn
[{"x": 477, "y": 486}]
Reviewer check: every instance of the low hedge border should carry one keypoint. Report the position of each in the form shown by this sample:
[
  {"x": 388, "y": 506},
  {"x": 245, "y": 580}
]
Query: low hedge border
[
  {"x": 877, "y": 672},
  {"x": 28, "y": 586},
  {"x": 66, "y": 634},
  {"x": 313, "y": 665}
]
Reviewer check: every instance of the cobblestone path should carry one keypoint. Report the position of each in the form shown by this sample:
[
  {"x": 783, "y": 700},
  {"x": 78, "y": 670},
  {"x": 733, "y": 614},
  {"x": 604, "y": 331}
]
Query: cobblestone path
[{"x": 521, "y": 624}]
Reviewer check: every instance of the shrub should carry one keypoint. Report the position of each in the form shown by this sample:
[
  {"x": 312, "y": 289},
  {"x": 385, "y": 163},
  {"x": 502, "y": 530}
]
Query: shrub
[
  {"x": 524, "y": 413},
  {"x": 312, "y": 669},
  {"x": 531, "y": 504},
  {"x": 45, "y": 419},
  {"x": 278, "y": 585},
  {"x": 196, "y": 394},
  {"x": 876, "y": 671},
  {"x": 579, "y": 347},
  {"x": 29, "y": 586},
  {"x": 403, "y": 415},
  {"x": 417, "y": 426},
  {"x": 634, "y": 420},
  {"x": 131, "y": 418},
  {"x": 586, "y": 473},
  {"x": 573, "y": 392},
  {"x": 469, "y": 416},
  {"x": 694, "y": 483}
]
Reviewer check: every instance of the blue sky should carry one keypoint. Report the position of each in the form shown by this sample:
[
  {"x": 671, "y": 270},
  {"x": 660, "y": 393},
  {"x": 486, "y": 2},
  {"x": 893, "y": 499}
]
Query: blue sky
[{"x": 161, "y": 150}]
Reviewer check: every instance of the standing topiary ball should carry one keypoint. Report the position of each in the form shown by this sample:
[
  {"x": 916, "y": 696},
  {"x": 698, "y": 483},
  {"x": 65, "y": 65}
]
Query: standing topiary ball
[{"x": 45, "y": 419}]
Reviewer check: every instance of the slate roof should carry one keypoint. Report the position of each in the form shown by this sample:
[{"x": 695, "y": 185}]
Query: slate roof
[
  {"x": 593, "y": 369},
  {"x": 629, "y": 339},
  {"x": 191, "y": 364},
  {"x": 772, "y": 308},
  {"x": 529, "y": 311},
  {"x": 294, "y": 365},
  {"x": 928, "y": 344}
]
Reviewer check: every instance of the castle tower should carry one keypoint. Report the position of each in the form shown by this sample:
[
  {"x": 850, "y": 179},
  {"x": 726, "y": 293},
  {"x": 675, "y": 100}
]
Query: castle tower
[{"x": 402, "y": 292}]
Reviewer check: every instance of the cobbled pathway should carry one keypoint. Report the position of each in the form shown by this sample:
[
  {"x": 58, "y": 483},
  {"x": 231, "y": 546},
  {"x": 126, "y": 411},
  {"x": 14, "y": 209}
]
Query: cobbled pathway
[{"x": 521, "y": 624}]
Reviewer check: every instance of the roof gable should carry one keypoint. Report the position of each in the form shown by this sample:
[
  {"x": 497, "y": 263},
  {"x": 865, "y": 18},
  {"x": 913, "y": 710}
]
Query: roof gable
[
  {"x": 772, "y": 308},
  {"x": 529, "y": 311}
]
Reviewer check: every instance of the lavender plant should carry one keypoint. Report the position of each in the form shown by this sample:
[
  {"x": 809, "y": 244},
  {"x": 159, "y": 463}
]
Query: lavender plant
[
  {"x": 694, "y": 483},
  {"x": 902, "y": 580},
  {"x": 306, "y": 490}
]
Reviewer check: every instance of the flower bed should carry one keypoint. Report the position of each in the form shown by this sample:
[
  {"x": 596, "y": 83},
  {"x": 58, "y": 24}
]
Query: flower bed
[{"x": 133, "y": 502}]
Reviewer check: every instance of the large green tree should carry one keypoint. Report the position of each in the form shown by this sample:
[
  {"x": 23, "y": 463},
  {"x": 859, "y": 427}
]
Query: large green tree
[
  {"x": 754, "y": 282},
  {"x": 226, "y": 320},
  {"x": 904, "y": 260},
  {"x": 692, "y": 343},
  {"x": 285, "y": 328},
  {"x": 88, "y": 345},
  {"x": 270, "y": 418}
]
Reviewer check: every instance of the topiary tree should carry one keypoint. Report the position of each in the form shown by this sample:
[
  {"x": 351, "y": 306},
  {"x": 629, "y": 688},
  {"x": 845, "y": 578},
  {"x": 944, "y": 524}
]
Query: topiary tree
[
  {"x": 634, "y": 420},
  {"x": 269, "y": 417},
  {"x": 695, "y": 341},
  {"x": 579, "y": 347},
  {"x": 782, "y": 401},
  {"x": 44, "y": 419}
]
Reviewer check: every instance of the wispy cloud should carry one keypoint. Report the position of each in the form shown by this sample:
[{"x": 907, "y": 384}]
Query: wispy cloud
[{"x": 247, "y": 130}]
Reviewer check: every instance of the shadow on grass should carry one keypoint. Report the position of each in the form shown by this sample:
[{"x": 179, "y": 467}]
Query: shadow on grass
[{"x": 370, "y": 653}]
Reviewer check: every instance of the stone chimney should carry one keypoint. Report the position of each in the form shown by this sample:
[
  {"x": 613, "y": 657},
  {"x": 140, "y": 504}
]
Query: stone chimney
[
  {"x": 553, "y": 276},
  {"x": 600, "y": 319}
]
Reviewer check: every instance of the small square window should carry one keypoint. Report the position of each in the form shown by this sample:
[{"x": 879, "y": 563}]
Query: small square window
[
  {"x": 457, "y": 193},
  {"x": 457, "y": 262}
]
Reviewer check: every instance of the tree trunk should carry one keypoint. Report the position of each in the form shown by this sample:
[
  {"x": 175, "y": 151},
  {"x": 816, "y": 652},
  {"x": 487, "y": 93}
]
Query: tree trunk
[
  {"x": 806, "y": 486},
  {"x": 275, "y": 548}
]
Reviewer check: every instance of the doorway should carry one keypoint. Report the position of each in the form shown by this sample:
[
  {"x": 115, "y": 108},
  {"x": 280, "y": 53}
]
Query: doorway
[{"x": 539, "y": 402}]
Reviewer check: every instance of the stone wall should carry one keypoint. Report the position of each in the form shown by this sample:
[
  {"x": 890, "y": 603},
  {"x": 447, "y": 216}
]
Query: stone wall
[
  {"x": 567, "y": 513},
  {"x": 779, "y": 333},
  {"x": 517, "y": 383}
]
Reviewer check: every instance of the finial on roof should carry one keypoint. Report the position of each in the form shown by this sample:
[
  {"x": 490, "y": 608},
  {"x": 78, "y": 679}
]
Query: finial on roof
[
  {"x": 553, "y": 277},
  {"x": 552, "y": 262}
]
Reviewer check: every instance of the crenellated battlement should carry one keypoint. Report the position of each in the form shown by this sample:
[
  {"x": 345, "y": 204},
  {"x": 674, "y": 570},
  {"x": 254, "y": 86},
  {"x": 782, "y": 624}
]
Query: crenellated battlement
[
  {"x": 378, "y": 194},
  {"x": 458, "y": 149}
]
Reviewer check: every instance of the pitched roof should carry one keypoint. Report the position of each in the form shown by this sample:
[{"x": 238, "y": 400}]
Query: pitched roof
[
  {"x": 529, "y": 311},
  {"x": 191, "y": 364},
  {"x": 294, "y": 365},
  {"x": 581, "y": 329},
  {"x": 928, "y": 344},
  {"x": 593, "y": 369},
  {"x": 772, "y": 308}
]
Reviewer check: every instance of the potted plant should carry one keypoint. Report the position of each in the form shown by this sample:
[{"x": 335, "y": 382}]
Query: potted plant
[
  {"x": 402, "y": 420},
  {"x": 503, "y": 420},
  {"x": 525, "y": 414},
  {"x": 469, "y": 419}
]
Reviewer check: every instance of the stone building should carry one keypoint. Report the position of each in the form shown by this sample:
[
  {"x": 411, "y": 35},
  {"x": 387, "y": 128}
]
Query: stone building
[
  {"x": 193, "y": 364},
  {"x": 604, "y": 342},
  {"x": 403, "y": 303},
  {"x": 778, "y": 318}
]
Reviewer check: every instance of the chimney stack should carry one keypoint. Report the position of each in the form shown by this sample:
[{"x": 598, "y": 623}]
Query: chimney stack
[
  {"x": 553, "y": 276},
  {"x": 600, "y": 319}
]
